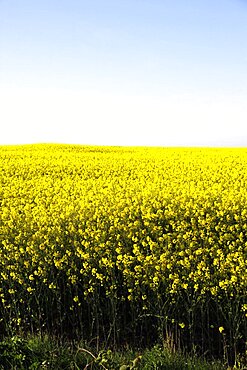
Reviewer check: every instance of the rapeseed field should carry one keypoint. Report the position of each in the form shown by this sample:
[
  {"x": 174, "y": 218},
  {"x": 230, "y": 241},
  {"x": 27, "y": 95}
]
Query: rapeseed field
[{"x": 125, "y": 244}]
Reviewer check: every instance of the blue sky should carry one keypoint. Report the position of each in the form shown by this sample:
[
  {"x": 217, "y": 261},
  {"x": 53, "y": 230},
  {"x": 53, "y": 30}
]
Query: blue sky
[{"x": 124, "y": 72}]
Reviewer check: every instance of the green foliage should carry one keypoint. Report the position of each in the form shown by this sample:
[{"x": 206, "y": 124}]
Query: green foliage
[
  {"x": 159, "y": 358},
  {"x": 36, "y": 353},
  {"x": 14, "y": 351}
]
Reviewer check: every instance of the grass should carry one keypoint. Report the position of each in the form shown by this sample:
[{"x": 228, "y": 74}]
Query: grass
[{"x": 35, "y": 352}]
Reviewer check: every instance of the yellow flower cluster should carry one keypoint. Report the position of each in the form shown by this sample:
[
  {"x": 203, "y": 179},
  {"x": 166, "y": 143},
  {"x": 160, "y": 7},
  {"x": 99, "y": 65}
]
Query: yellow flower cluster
[{"x": 132, "y": 222}]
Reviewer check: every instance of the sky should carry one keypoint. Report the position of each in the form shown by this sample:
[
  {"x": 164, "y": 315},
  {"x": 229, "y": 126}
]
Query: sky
[{"x": 123, "y": 72}]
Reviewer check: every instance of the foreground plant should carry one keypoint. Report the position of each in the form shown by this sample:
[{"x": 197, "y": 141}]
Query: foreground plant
[{"x": 47, "y": 353}]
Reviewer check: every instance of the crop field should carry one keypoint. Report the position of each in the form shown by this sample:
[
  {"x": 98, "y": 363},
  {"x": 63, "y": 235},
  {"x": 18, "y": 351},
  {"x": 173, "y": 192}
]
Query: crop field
[{"x": 125, "y": 244}]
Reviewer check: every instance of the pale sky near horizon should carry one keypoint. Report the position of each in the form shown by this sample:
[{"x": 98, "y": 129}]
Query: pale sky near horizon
[{"x": 124, "y": 72}]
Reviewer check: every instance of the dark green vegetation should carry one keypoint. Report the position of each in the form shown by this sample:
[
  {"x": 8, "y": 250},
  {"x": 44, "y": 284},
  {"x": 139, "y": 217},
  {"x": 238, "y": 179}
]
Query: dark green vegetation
[{"x": 46, "y": 353}]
